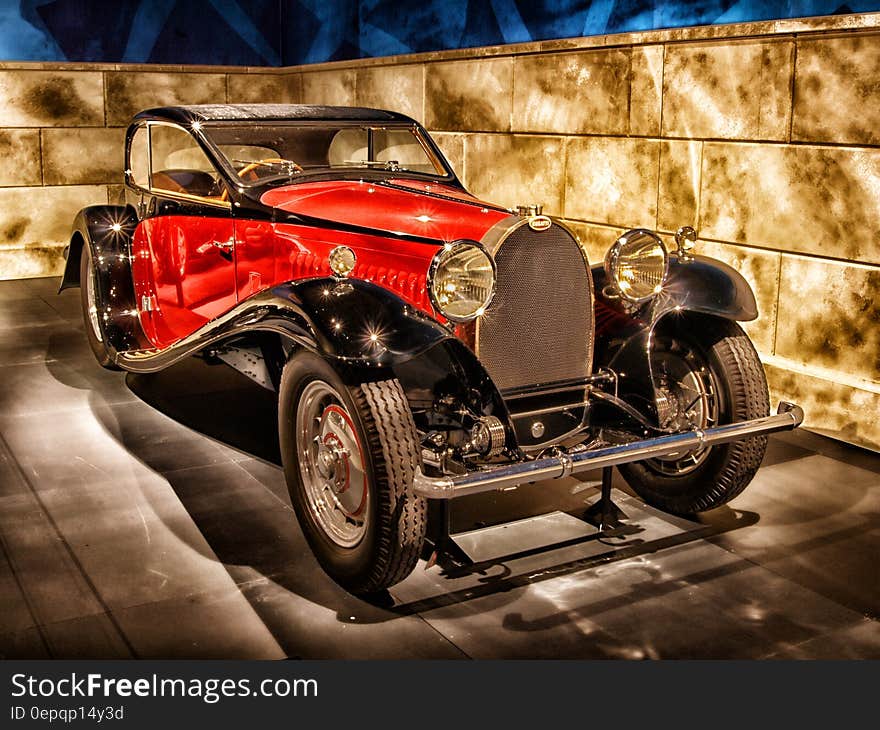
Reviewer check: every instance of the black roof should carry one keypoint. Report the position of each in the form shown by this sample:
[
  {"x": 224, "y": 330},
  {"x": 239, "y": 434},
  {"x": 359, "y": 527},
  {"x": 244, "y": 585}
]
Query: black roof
[{"x": 269, "y": 112}]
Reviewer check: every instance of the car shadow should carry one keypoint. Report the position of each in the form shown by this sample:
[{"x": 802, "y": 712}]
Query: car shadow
[{"x": 195, "y": 393}]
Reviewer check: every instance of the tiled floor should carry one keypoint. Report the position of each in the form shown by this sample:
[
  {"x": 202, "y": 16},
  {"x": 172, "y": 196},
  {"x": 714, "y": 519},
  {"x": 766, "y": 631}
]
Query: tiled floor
[{"x": 128, "y": 533}]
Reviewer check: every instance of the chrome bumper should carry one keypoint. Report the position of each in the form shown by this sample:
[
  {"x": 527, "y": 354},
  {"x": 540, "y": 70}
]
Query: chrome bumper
[{"x": 788, "y": 416}]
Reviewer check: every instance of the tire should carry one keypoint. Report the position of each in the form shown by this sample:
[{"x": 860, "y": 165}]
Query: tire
[
  {"x": 719, "y": 473},
  {"x": 367, "y": 533},
  {"x": 91, "y": 321}
]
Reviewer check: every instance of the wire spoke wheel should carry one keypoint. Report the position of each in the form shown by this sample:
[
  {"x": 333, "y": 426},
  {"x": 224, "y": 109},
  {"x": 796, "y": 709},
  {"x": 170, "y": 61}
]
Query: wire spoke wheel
[
  {"x": 707, "y": 374},
  {"x": 689, "y": 393}
]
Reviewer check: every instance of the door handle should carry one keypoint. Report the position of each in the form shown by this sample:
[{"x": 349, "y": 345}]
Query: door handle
[{"x": 225, "y": 248}]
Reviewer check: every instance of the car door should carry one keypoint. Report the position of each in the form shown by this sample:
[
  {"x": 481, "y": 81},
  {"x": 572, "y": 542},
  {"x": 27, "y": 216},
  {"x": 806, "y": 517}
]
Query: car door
[{"x": 184, "y": 246}]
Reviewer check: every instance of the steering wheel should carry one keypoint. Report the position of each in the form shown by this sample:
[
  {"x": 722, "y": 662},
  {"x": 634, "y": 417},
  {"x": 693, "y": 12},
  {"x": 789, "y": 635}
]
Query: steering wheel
[
  {"x": 266, "y": 161},
  {"x": 251, "y": 166}
]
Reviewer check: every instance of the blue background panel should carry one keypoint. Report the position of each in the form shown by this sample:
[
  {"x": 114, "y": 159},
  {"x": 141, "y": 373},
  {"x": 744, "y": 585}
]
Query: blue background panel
[{"x": 291, "y": 32}]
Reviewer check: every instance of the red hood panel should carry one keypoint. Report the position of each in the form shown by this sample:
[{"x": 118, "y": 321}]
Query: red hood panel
[{"x": 376, "y": 206}]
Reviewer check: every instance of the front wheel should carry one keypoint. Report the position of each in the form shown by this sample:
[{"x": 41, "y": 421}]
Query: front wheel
[
  {"x": 707, "y": 374},
  {"x": 349, "y": 456}
]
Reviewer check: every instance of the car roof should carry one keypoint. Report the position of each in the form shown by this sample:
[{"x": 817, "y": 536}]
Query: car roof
[{"x": 269, "y": 112}]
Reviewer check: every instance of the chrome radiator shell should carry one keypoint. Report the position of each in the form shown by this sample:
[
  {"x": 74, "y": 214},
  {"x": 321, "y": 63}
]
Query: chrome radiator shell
[{"x": 540, "y": 326}]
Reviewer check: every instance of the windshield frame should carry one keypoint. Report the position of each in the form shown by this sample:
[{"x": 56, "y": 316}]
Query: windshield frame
[{"x": 432, "y": 154}]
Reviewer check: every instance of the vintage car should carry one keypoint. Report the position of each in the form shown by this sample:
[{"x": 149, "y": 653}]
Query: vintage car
[{"x": 423, "y": 344}]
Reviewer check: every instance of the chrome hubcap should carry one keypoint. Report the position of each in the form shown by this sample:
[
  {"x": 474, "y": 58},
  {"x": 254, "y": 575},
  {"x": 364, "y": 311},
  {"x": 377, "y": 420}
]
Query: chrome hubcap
[
  {"x": 92, "y": 304},
  {"x": 332, "y": 465},
  {"x": 688, "y": 399}
]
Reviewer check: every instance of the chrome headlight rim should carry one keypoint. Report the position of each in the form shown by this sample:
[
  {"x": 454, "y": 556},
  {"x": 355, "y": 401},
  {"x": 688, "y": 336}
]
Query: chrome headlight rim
[
  {"x": 449, "y": 250},
  {"x": 612, "y": 264}
]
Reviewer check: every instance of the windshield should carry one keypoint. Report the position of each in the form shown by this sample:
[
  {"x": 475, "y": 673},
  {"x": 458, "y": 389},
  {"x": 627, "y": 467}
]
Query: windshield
[{"x": 265, "y": 152}]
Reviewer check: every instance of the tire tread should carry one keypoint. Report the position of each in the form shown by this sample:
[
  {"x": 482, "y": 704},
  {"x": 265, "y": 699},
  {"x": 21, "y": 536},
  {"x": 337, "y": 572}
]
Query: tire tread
[
  {"x": 747, "y": 385},
  {"x": 392, "y": 433}
]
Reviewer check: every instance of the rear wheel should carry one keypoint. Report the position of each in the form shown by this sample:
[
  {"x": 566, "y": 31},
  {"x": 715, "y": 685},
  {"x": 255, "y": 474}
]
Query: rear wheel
[
  {"x": 91, "y": 315},
  {"x": 707, "y": 374},
  {"x": 349, "y": 456}
]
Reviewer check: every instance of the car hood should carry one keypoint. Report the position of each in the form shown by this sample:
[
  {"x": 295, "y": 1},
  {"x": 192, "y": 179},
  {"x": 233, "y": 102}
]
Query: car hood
[{"x": 415, "y": 208}]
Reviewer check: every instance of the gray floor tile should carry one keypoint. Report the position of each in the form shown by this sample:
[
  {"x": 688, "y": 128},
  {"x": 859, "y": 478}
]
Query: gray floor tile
[
  {"x": 14, "y": 609},
  {"x": 11, "y": 290},
  {"x": 215, "y": 401},
  {"x": 819, "y": 526},
  {"x": 26, "y": 644},
  {"x": 159, "y": 442},
  {"x": 67, "y": 304},
  {"x": 216, "y": 625},
  {"x": 163, "y": 559},
  {"x": 47, "y": 572},
  {"x": 27, "y": 314},
  {"x": 439, "y": 584},
  {"x": 693, "y": 601},
  {"x": 101, "y": 442},
  {"x": 269, "y": 475},
  {"x": 45, "y": 285},
  {"x": 860, "y": 641},
  {"x": 59, "y": 341},
  {"x": 89, "y": 637},
  {"x": 837, "y": 450},
  {"x": 325, "y": 622},
  {"x": 36, "y": 389}
]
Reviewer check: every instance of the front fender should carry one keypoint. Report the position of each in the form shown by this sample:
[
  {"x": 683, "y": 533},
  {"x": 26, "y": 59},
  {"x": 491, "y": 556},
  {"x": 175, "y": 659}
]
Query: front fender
[
  {"x": 355, "y": 322},
  {"x": 349, "y": 322},
  {"x": 695, "y": 284},
  {"x": 708, "y": 286},
  {"x": 624, "y": 337},
  {"x": 358, "y": 322}
]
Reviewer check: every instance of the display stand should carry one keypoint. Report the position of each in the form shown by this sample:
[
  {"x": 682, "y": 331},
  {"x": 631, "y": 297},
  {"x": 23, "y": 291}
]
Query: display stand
[
  {"x": 475, "y": 550},
  {"x": 602, "y": 520},
  {"x": 606, "y": 516}
]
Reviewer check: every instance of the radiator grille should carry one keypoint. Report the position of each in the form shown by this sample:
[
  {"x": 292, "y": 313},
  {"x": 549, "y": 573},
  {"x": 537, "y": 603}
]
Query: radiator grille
[{"x": 539, "y": 328}]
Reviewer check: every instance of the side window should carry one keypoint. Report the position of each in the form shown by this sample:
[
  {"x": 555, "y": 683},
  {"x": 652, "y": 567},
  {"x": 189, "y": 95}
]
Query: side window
[
  {"x": 348, "y": 145},
  {"x": 179, "y": 165},
  {"x": 139, "y": 160},
  {"x": 402, "y": 147}
]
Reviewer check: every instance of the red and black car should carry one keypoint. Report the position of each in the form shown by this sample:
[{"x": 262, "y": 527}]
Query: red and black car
[{"x": 423, "y": 344}]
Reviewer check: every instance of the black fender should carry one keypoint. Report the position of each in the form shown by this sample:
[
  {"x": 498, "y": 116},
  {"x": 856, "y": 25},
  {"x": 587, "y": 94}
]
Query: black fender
[
  {"x": 350, "y": 322},
  {"x": 107, "y": 231},
  {"x": 697, "y": 284},
  {"x": 358, "y": 327},
  {"x": 445, "y": 377},
  {"x": 360, "y": 323},
  {"x": 693, "y": 284}
]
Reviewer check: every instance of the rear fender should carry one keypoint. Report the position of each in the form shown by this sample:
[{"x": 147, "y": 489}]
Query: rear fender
[{"x": 107, "y": 231}]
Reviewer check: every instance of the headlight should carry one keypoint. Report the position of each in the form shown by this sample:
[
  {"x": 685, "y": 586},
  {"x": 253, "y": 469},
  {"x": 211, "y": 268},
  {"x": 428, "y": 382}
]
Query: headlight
[
  {"x": 637, "y": 264},
  {"x": 461, "y": 281}
]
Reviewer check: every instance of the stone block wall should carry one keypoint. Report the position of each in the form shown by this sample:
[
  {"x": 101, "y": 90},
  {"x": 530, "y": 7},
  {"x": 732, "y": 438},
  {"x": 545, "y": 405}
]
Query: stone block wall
[
  {"x": 61, "y": 139},
  {"x": 764, "y": 136}
]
